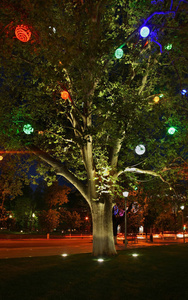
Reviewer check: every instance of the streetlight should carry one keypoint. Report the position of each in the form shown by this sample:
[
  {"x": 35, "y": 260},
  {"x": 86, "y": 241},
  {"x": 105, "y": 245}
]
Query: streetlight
[
  {"x": 125, "y": 194},
  {"x": 183, "y": 226}
]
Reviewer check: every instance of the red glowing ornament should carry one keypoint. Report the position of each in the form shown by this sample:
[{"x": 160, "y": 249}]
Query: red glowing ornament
[
  {"x": 23, "y": 33},
  {"x": 64, "y": 95}
]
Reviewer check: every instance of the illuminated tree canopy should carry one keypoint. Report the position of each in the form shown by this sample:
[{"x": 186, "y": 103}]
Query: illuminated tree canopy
[{"x": 90, "y": 136}]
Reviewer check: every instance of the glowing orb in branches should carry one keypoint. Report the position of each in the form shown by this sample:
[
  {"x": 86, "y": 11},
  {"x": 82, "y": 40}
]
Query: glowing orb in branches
[
  {"x": 28, "y": 129},
  {"x": 140, "y": 149},
  {"x": 168, "y": 47},
  {"x": 1, "y": 157},
  {"x": 171, "y": 130},
  {"x": 23, "y": 33},
  {"x": 64, "y": 95},
  {"x": 144, "y": 31},
  {"x": 183, "y": 92},
  {"x": 156, "y": 99},
  {"x": 119, "y": 53}
]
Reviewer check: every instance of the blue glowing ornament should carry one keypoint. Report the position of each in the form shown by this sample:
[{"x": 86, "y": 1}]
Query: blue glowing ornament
[
  {"x": 144, "y": 31},
  {"x": 183, "y": 92},
  {"x": 119, "y": 53}
]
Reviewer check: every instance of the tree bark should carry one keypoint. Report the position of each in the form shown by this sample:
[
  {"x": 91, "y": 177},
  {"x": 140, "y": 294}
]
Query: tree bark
[{"x": 103, "y": 240}]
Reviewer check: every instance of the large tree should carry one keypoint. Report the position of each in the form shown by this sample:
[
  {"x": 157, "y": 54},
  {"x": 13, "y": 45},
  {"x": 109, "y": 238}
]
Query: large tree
[{"x": 88, "y": 133}]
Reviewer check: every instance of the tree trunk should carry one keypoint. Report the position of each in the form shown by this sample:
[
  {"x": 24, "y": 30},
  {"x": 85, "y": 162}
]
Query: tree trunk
[{"x": 103, "y": 240}]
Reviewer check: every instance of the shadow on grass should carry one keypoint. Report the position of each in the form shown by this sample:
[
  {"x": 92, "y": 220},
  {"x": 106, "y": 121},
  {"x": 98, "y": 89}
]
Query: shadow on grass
[{"x": 156, "y": 273}]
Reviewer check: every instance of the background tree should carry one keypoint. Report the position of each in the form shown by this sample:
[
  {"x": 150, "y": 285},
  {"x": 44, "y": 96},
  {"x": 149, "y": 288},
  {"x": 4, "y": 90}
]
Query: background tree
[
  {"x": 70, "y": 220},
  {"x": 55, "y": 196},
  {"x": 88, "y": 109},
  {"x": 49, "y": 220},
  {"x": 13, "y": 176}
]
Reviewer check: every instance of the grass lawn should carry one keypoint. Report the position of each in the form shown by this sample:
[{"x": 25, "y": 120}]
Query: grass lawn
[{"x": 156, "y": 273}]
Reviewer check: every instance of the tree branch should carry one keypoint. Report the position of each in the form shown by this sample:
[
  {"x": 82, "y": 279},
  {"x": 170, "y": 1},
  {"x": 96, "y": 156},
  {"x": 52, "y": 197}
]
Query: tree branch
[
  {"x": 60, "y": 169},
  {"x": 115, "y": 152},
  {"x": 140, "y": 171}
]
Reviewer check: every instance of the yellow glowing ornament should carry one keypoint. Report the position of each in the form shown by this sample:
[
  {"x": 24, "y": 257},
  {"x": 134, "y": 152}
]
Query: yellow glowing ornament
[{"x": 1, "y": 157}]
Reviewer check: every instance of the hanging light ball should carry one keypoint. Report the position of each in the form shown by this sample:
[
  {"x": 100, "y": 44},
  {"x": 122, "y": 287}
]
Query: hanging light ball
[
  {"x": 140, "y": 149},
  {"x": 144, "y": 31},
  {"x": 23, "y": 33},
  {"x": 119, "y": 53},
  {"x": 171, "y": 130},
  {"x": 168, "y": 47},
  {"x": 1, "y": 157},
  {"x": 28, "y": 129},
  {"x": 183, "y": 92},
  {"x": 64, "y": 95},
  {"x": 41, "y": 132},
  {"x": 156, "y": 99}
]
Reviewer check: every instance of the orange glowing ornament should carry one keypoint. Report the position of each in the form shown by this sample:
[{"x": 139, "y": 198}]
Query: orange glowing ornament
[
  {"x": 156, "y": 99},
  {"x": 23, "y": 33},
  {"x": 64, "y": 95}
]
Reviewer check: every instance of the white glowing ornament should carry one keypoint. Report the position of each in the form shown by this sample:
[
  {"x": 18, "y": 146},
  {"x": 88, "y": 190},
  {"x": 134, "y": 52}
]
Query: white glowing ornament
[
  {"x": 140, "y": 149},
  {"x": 119, "y": 53},
  {"x": 144, "y": 31}
]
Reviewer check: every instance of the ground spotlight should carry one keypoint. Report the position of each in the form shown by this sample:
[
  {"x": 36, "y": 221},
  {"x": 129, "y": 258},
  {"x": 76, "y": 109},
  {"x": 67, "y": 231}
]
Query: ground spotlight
[
  {"x": 134, "y": 254},
  {"x": 100, "y": 259},
  {"x": 64, "y": 254}
]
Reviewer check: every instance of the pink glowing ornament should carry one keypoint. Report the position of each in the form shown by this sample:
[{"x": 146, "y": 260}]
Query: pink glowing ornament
[{"x": 23, "y": 33}]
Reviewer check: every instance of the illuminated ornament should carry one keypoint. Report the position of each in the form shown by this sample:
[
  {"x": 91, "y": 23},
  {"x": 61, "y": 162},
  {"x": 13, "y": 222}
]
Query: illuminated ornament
[
  {"x": 183, "y": 92},
  {"x": 23, "y": 33},
  {"x": 41, "y": 132},
  {"x": 1, "y": 157},
  {"x": 53, "y": 29},
  {"x": 144, "y": 31},
  {"x": 140, "y": 149},
  {"x": 64, "y": 95},
  {"x": 161, "y": 95},
  {"x": 156, "y": 99},
  {"x": 146, "y": 43},
  {"x": 28, "y": 129},
  {"x": 168, "y": 47},
  {"x": 119, "y": 53},
  {"x": 171, "y": 130}
]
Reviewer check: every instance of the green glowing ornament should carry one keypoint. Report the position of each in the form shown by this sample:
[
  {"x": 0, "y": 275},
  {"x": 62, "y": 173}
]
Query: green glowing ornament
[
  {"x": 171, "y": 130},
  {"x": 119, "y": 53},
  {"x": 168, "y": 47},
  {"x": 28, "y": 129}
]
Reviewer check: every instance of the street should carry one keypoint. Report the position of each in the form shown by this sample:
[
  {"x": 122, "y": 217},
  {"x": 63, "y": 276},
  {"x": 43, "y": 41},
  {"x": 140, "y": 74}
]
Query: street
[{"x": 44, "y": 247}]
